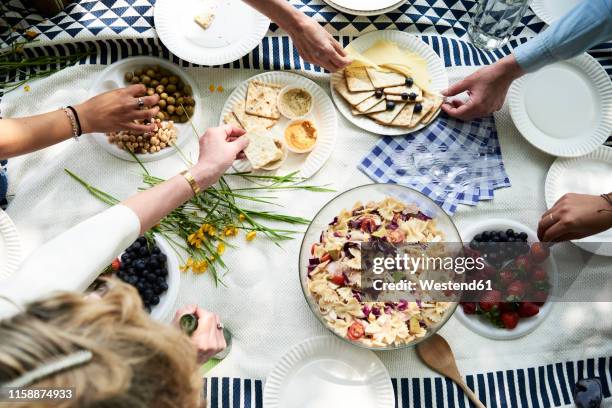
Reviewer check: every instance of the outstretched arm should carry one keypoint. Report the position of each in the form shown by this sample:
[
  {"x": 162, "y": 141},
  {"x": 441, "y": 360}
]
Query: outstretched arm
[
  {"x": 313, "y": 43},
  {"x": 110, "y": 111}
]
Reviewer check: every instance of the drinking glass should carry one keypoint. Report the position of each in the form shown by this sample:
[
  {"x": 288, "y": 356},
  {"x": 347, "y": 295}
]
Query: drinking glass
[{"x": 494, "y": 21}]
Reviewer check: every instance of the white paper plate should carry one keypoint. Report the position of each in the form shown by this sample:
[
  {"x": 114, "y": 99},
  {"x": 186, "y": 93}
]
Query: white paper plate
[
  {"x": 564, "y": 109},
  {"x": 324, "y": 372},
  {"x": 364, "y": 7},
  {"x": 479, "y": 324},
  {"x": 439, "y": 78},
  {"x": 590, "y": 174},
  {"x": 550, "y": 11},
  {"x": 112, "y": 78},
  {"x": 323, "y": 115},
  {"x": 236, "y": 30},
  {"x": 10, "y": 247}
]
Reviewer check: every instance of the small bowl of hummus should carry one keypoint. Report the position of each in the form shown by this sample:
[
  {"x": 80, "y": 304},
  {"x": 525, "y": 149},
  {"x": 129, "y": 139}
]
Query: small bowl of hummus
[
  {"x": 294, "y": 103},
  {"x": 301, "y": 136}
]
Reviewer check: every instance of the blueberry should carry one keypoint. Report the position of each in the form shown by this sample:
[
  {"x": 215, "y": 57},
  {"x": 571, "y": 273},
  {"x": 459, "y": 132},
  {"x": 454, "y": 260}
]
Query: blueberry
[
  {"x": 142, "y": 240},
  {"x": 135, "y": 246},
  {"x": 148, "y": 293},
  {"x": 157, "y": 290},
  {"x": 503, "y": 237},
  {"x": 131, "y": 271},
  {"x": 140, "y": 265},
  {"x": 523, "y": 236},
  {"x": 126, "y": 258},
  {"x": 153, "y": 264},
  {"x": 511, "y": 238},
  {"x": 160, "y": 280},
  {"x": 405, "y": 96},
  {"x": 155, "y": 300},
  {"x": 409, "y": 82},
  {"x": 151, "y": 278},
  {"x": 156, "y": 250},
  {"x": 143, "y": 252},
  {"x": 412, "y": 96},
  {"x": 164, "y": 286},
  {"x": 418, "y": 108},
  {"x": 486, "y": 236},
  {"x": 478, "y": 238},
  {"x": 378, "y": 93},
  {"x": 132, "y": 280},
  {"x": 162, "y": 257},
  {"x": 510, "y": 232},
  {"x": 390, "y": 105}
]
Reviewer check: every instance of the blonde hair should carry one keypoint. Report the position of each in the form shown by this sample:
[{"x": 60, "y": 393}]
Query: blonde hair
[{"x": 136, "y": 362}]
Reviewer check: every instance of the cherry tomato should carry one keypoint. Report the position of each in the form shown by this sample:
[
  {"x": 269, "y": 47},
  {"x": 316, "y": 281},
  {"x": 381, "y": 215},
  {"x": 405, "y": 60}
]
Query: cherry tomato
[
  {"x": 337, "y": 279},
  {"x": 355, "y": 331},
  {"x": 116, "y": 264}
]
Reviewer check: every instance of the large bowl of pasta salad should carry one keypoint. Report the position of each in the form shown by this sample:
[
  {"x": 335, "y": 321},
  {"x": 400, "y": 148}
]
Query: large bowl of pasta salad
[{"x": 330, "y": 265}]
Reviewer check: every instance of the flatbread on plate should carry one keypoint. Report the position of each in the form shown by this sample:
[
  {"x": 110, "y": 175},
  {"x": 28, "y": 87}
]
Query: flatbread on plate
[
  {"x": 403, "y": 119},
  {"x": 262, "y": 149},
  {"x": 357, "y": 79},
  {"x": 353, "y": 98},
  {"x": 261, "y": 99},
  {"x": 251, "y": 122},
  {"x": 387, "y": 116},
  {"x": 385, "y": 79}
]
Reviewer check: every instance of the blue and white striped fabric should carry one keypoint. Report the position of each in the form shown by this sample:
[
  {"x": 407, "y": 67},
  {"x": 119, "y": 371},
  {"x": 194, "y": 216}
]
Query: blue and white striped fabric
[
  {"x": 545, "y": 386},
  {"x": 3, "y": 184},
  {"x": 385, "y": 162}
]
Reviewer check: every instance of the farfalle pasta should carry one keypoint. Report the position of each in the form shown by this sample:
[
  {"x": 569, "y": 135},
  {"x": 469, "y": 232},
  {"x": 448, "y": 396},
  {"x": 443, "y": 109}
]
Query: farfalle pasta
[{"x": 334, "y": 275}]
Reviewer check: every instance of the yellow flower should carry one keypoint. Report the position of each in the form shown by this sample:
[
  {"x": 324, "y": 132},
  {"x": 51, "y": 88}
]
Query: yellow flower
[
  {"x": 200, "y": 267},
  {"x": 212, "y": 231},
  {"x": 211, "y": 258},
  {"x": 229, "y": 230},
  {"x": 26, "y": 88},
  {"x": 187, "y": 266},
  {"x": 251, "y": 235},
  {"x": 221, "y": 248},
  {"x": 242, "y": 217}
]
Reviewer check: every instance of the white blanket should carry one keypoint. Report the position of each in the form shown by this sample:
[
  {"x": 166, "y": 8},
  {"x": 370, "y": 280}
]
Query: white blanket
[{"x": 263, "y": 303}]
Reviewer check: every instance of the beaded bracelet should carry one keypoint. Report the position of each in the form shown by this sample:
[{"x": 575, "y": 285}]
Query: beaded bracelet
[{"x": 76, "y": 131}]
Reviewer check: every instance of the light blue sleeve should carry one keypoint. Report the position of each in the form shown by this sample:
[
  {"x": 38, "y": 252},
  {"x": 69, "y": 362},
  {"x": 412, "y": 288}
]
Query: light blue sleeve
[{"x": 588, "y": 24}]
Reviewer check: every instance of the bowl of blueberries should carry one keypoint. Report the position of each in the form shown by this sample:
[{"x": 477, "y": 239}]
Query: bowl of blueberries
[{"x": 152, "y": 267}]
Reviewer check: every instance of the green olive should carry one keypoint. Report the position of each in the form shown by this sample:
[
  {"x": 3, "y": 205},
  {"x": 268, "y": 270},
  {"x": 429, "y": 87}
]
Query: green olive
[
  {"x": 173, "y": 79},
  {"x": 171, "y": 100},
  {"x": 160, "y": 115},
  {"x": 184, "y": 118},
  {"x": 159, "y": 89},
  {"x": 156, "y": 68},
  {"x": 175, "y": 118},
  {"x": 154, "y": 83},
  {"x": 150, "y": 73},
  {"x": 163, "y": 95},
  {"x": 135, "y": 80},
  {"x": 180, "y": 111},
  {"x": 129, "y": 76},
  {"x": 189, "y": 110},
  {"x": 150, "y": 91},
  {"x": 187, "y": 90},
  {"x": 180, "y": 101},
  {"x": 170, "y": 109},
  {"x": 180, "y": 85},
  {"x": 171, "y": 88},
  {"x": 163, "y": 81},
  {"x": 145, "y": 79},
  {"x": 162, "y": 103},
  {"x": 138, "y": 72}
]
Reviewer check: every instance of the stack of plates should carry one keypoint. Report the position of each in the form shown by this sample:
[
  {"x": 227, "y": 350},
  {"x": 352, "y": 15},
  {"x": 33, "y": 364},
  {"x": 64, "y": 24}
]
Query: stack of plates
[{"x": 365, "y": 7}]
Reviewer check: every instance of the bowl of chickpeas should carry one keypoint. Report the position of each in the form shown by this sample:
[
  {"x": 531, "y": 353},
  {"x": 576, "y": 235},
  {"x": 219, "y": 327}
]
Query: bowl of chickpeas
[{"x": 180, "y": 107}]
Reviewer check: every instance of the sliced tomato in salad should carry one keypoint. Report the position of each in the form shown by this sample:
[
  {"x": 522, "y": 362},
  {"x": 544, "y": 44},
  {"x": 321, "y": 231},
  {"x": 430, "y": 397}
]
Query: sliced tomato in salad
[
  {"x": 337, "y": 279},
  {"x": 355, "y": 331}
]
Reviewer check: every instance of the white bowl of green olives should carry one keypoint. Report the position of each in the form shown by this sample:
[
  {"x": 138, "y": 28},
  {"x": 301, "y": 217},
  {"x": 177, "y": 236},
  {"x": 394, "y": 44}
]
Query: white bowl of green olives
[{"x": 180, "y": 99}]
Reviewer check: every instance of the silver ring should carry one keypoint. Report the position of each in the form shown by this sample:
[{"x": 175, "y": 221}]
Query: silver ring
[
  {"x": 220, "y": 326},
  {"x": 140, "y": 103}
]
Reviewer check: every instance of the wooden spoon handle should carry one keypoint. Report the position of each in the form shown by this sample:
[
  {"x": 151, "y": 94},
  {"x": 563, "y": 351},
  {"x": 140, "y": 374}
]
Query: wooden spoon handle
[{"x": 470, "y": 394}]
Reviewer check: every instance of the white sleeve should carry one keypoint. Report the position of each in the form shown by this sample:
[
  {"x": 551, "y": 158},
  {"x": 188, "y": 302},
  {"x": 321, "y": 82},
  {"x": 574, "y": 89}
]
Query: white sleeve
[{"x": 74, "y": 259}]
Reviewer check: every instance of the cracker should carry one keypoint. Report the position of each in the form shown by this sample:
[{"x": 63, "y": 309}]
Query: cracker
[
  {"x": 357, "y": 79},
  {"x": 387, "y": 116},
  {"x": 398, "y": 98},
  {"x": 368, "y": 104},
  {"x": 417, "y": 117},
  {"x": 437, "y": 101},
  {"x": 262, "y": 149},
  {"x": 261, "y": 99},
  {"x": 385, "y": 79},
  {"x": 403, "y": 119},
  {"x": 231, "y": 119},
  {"x": 251, "y": 122},
  {"x": 353, "y": 98},
  {"x": 398, "y": 90},
  {"x": 379, "y": 107}
]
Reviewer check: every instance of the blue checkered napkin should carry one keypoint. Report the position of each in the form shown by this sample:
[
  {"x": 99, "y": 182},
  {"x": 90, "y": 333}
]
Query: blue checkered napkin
[{"x": 390, "y": 162}]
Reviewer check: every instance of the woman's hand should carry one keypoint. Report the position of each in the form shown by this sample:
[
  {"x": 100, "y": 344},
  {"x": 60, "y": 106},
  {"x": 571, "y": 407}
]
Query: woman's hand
[
  {"x": 575, "y": 216},
  {"x": 316, "y": 45},
  {"x": 208, "y": 337},
  {"x": 219, "y": 147},
  {"x": 487, "y": 89},
  {"x": 116, "y": 110}
]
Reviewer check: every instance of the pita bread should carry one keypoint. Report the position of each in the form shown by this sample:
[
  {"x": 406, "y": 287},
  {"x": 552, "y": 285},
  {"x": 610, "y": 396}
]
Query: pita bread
[
  {"x": 261, "y": 99},
  {"x": 262, "y": 149},
  {"x": 403, "y": 119},
  {"x": 437, "y": 101},
  {"x": 251, "y": 122},
  {"x": 230, "y": 119},
  {"x": 368, "y": 104},
  {"x": 357, "y": 79},
  {"x": 385, "y": 79},
  {"x": 353, "y": 98},
  {"x": 418, "y": 116},
  {"x": 398, "y": 98},
  {"x": 387, "y": 116}
]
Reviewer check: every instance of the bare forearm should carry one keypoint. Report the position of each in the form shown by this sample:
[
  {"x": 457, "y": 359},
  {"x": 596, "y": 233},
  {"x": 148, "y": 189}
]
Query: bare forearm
[{"x": 25, "y": 135}]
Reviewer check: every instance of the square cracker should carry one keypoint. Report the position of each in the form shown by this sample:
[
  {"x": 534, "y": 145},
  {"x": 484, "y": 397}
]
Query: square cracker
[
  {"x": 379, "y": 107},
  {"x": 437, "y": 101},
  {"x": 261, "y": 150},
  {"x": 382, "y": 79},
  {"x": 398, "y": 98},
  {"x": 261, "y": 99},
  {"x": 387, "y": 116},
  {"x": 404, "y": 118},
  {"x": 417, "y": 117},
  {"x": 357, "y": 79},
  {"x": 368, "y": 104},
  {"x": 353, "y": 98},
  {"x": 231, "y": 119},
  {"x": 251, "y": 122}
]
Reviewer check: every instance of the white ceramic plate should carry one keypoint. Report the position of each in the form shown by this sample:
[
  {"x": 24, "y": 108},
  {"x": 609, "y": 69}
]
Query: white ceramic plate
[
  {"x": 479, "y": 324},
  {"x": 590, "y": 174},
  {"x": 323, "y": 115},
  {"x": 10, "y": 247},
  {"x": 564, "y": 109},
  {"x": 324, "y": 372},
  {"x": 550, "y": 11},
  {"x": 112, "y": 78},
  {"x": 235, "y": 31},
  {"x": 366, "y": 7},
  {"x": 439, "y": 78}
]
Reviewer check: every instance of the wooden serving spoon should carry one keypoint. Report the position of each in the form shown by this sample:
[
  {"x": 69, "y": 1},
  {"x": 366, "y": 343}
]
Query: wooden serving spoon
[{"x": 437, "y": 355}]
